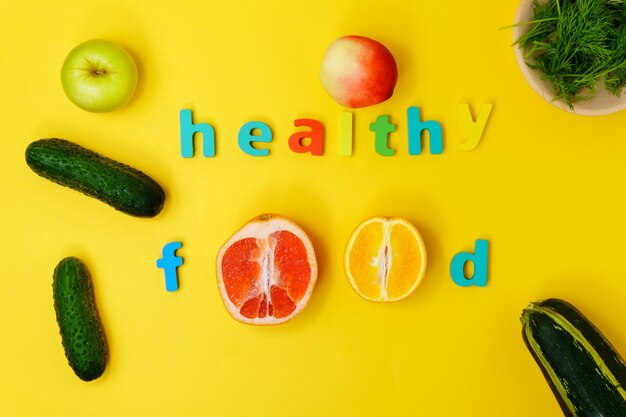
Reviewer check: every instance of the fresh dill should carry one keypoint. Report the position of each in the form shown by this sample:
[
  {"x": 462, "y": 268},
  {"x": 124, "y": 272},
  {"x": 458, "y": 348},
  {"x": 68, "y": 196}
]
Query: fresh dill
[{"x": 577, "y": 45}]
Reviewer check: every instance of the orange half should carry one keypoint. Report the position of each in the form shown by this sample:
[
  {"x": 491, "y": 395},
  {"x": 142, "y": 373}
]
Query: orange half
[
  {"x": 266, "y": 271},
  {"x": 385, "y": 259}
]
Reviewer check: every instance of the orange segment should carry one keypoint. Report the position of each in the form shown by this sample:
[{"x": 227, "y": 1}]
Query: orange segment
[
  {"x": 364, "y": 259},
  {"x": 385, "y": 259},
  {"x": 408, "y": 262}
]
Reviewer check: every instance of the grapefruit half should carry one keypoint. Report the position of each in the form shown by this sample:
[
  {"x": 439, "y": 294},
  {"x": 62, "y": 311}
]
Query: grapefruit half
[{"x": 266, "y": 271}]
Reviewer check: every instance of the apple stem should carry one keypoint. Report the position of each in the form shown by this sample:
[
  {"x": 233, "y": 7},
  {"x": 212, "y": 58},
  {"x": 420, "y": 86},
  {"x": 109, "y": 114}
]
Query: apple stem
[{"x": 96, "y": 70}]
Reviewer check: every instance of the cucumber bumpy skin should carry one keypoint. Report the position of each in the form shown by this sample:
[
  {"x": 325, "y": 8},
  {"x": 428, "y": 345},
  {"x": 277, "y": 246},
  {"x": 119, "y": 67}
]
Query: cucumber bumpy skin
[
  {"x": 81, "y": 331},
  {"x": 119, "y": 185}
]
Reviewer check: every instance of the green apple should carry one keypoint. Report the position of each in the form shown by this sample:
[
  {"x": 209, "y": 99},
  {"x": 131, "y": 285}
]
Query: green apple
[{"x": 99, "y": 76}]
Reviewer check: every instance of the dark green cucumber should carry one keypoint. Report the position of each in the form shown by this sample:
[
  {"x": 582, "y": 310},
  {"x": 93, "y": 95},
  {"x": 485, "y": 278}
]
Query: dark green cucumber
[
  {"x": 79, "y": 324},
  {"x": 123, "y": 187},
  {"x": 586, "y": 374}
]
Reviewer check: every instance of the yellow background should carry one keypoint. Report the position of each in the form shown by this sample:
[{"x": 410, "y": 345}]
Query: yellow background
[{"x": 545, "y": 187}]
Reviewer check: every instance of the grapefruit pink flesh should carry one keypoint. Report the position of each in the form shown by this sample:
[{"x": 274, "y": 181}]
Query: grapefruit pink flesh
[{"x": 266, "y": 276}]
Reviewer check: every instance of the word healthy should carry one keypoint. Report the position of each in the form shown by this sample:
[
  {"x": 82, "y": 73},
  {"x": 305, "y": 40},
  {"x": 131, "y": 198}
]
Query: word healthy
[
  {"x": 312, "y": 140},
  {"x": 170, "y": 262}
]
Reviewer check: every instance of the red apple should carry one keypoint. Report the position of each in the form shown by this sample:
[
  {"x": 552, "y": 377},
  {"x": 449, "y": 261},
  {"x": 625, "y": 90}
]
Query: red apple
[{"x": 358, "y": 71}]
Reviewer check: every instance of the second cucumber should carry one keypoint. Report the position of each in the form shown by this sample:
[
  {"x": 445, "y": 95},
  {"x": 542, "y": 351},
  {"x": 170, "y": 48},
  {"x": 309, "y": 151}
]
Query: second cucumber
[
  {"x": 79, "y": 324},
  {"x": 119, "y": 185}
]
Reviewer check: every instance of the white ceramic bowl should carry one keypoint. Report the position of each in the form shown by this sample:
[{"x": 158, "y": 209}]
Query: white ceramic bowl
[{"x": 602, "y": 103}]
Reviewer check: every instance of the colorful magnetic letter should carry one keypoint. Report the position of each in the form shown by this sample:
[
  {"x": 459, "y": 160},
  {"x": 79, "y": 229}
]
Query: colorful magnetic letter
[
  {"x": 479, "y": 258},
  {"x": 416, "y": 127},
  {"x": 345, "y": 133},
  {"x": 316, "y": 134},
  {"x": 187, "y": 131},
  {"x": 474, "y": 129},
  {"x": 382, "y": 128},
  {"x": 169, "y": 262},
  {"x": 246, "y": 138}
]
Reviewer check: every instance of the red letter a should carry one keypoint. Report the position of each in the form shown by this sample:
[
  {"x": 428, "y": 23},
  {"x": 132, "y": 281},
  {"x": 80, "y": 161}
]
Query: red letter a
[{"x": 316, "y": 134}]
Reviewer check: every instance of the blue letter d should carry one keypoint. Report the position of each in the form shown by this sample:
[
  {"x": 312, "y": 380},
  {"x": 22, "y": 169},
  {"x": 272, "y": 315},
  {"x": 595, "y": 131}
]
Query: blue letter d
[{"x": 479, "y": 258}]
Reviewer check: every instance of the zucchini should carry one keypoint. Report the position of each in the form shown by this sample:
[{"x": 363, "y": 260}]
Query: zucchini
[
  {"x": 122, "y": 187},
  {"x": 586, "y": 374},
  {"x": 81, "y": 331}
]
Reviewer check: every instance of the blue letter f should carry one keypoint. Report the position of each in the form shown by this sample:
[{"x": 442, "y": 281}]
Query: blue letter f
[{"x": 169, "y": 262}]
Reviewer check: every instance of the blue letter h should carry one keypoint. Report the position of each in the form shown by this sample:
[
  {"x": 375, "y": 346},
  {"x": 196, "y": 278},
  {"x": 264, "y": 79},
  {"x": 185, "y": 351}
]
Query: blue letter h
[
  {"x": 416, "y": 127},
  {"x": 188, "y": 129}
]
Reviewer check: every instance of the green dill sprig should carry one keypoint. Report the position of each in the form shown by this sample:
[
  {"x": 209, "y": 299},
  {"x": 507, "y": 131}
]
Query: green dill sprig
[{"x": 576, "y": 44}]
